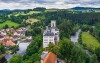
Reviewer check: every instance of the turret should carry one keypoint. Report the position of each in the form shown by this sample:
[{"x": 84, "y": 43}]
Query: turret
[{"x": 53, "y": 23}]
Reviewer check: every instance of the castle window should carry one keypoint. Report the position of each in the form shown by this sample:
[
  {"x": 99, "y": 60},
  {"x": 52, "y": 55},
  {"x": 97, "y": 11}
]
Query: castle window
[{"x": 45, "y": 42}]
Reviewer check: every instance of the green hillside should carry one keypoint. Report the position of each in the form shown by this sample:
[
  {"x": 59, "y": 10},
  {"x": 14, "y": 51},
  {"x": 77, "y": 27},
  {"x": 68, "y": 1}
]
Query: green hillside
[
  {"x": 90, "y": 41},
  {"x": 9, "y": 23}
]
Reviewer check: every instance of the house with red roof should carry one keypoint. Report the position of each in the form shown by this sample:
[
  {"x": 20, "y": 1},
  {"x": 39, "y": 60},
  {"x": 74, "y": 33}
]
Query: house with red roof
[
  {"x": 48, "y": 57},
  {"x": 10, "y": 43},
  {"x": 3, "y": 33},
  {"x": 1, "y": 41}
]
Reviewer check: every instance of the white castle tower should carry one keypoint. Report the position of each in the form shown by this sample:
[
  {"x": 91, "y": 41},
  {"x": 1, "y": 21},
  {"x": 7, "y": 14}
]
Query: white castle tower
[{"x": 53, "y": 23}]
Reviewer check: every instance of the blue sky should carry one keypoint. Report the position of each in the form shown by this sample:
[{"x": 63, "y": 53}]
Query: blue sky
[{"x": 61, "y": 4}]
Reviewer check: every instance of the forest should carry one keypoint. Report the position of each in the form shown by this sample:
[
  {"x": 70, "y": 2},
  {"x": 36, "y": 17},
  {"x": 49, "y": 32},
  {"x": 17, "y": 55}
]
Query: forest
[{"x": 68, "y": 21}]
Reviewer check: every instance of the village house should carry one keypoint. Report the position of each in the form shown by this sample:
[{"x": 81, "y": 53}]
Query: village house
[
  {"x": 10, "y": 29},
  {"x": 10, "y": 43},
  {"x": 16, "y": 34},
  {"x": 48, "y": 57},
  {"x": 3, "y": 33},
  {"x": 1, "y": 37},
  {"x": 7, "y": 42},
  {"x": 15, "y": 37},
  {"x": 51, "y": 35}
]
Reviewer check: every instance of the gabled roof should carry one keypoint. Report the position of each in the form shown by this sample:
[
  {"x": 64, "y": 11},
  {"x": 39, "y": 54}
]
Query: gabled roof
[
  {"x": 48, "y": 33},
  {"x": 6, "y": 37},
  {"x": 50, "y": 58},
  {"x": 0, "y": 41},
  {"x": 10, "y": 43}
]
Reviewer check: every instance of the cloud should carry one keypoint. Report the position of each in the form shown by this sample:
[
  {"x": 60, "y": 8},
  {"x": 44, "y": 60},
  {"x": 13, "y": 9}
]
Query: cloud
[
  {"x": 25, "y": 4},
  {"x": 59, "y": 3}
]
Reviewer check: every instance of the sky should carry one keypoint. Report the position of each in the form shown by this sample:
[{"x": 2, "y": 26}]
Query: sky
[{"x": 60, "y": 4}]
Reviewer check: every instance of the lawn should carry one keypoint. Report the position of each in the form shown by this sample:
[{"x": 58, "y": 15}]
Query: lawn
[
  {"x": 91, "y": 42},
  {"x": 31, "y": 20},
  {"x": 9, "y": 23}
]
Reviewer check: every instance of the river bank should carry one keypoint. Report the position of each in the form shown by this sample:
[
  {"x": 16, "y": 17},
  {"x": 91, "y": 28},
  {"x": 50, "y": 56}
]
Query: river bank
[
  {"x": 22, "y": 49},
  {"x": 3, "y": 55},
  {"x": 74, "y": 39}
]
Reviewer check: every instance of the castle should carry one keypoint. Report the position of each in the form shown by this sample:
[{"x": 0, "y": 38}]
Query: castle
[{"x": 51, "y": 35}]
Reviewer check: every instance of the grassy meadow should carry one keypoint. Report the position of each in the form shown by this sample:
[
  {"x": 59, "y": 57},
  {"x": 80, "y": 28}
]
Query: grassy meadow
[
  {"x": 31, "y": 20},
  {"x": 9, "y": 23},
  {"x": 22, "y": 13},
  {"x": 91, "y": 42}
]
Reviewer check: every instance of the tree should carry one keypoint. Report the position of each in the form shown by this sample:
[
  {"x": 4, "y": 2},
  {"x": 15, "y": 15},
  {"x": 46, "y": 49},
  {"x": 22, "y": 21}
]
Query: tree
[
  {"x": 39, "y": 9},
  {"x": 16, "y": 59},
  {"x": 35, "y": 57},
  {"x": 80, "y": 38},
  {"x": 94, "y": 59},
  {"x": 37, "y": 42},
  {"x": 6, "y": 26},
  {"x": 97, "y": 51},
  {"x": 66, "y": 26},
  {"x": 53, "y": 48},
  {"x": 27, "y": 61},
  {"x": 85, "y": 27},
  {"x": 79, "y": 56},
  {"x": 65, "y": 49},
  {"x": 36, "y": 31},
  {"x": 2, "y": 49},
  {"x": 33, "y": 52},
  {"x": 71, "y": 53}
]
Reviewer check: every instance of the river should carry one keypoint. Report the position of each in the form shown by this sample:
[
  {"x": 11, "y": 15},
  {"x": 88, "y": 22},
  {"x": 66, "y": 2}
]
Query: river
[
  {"x": 22, "y": 48},
  {"x": 74, "y": 38}
]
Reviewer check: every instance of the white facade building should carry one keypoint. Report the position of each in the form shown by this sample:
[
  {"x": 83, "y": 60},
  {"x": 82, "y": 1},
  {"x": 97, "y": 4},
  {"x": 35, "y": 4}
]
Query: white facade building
[{"x": 51, "y": 35}]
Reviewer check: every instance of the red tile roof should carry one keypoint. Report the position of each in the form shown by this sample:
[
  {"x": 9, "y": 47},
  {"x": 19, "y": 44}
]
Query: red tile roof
[
  {"x": 0, "y": 41},
  {"x": 10, "y": 43},
  {"x": 6, "y": 37},
  {"x": 50, "y": 58}
]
